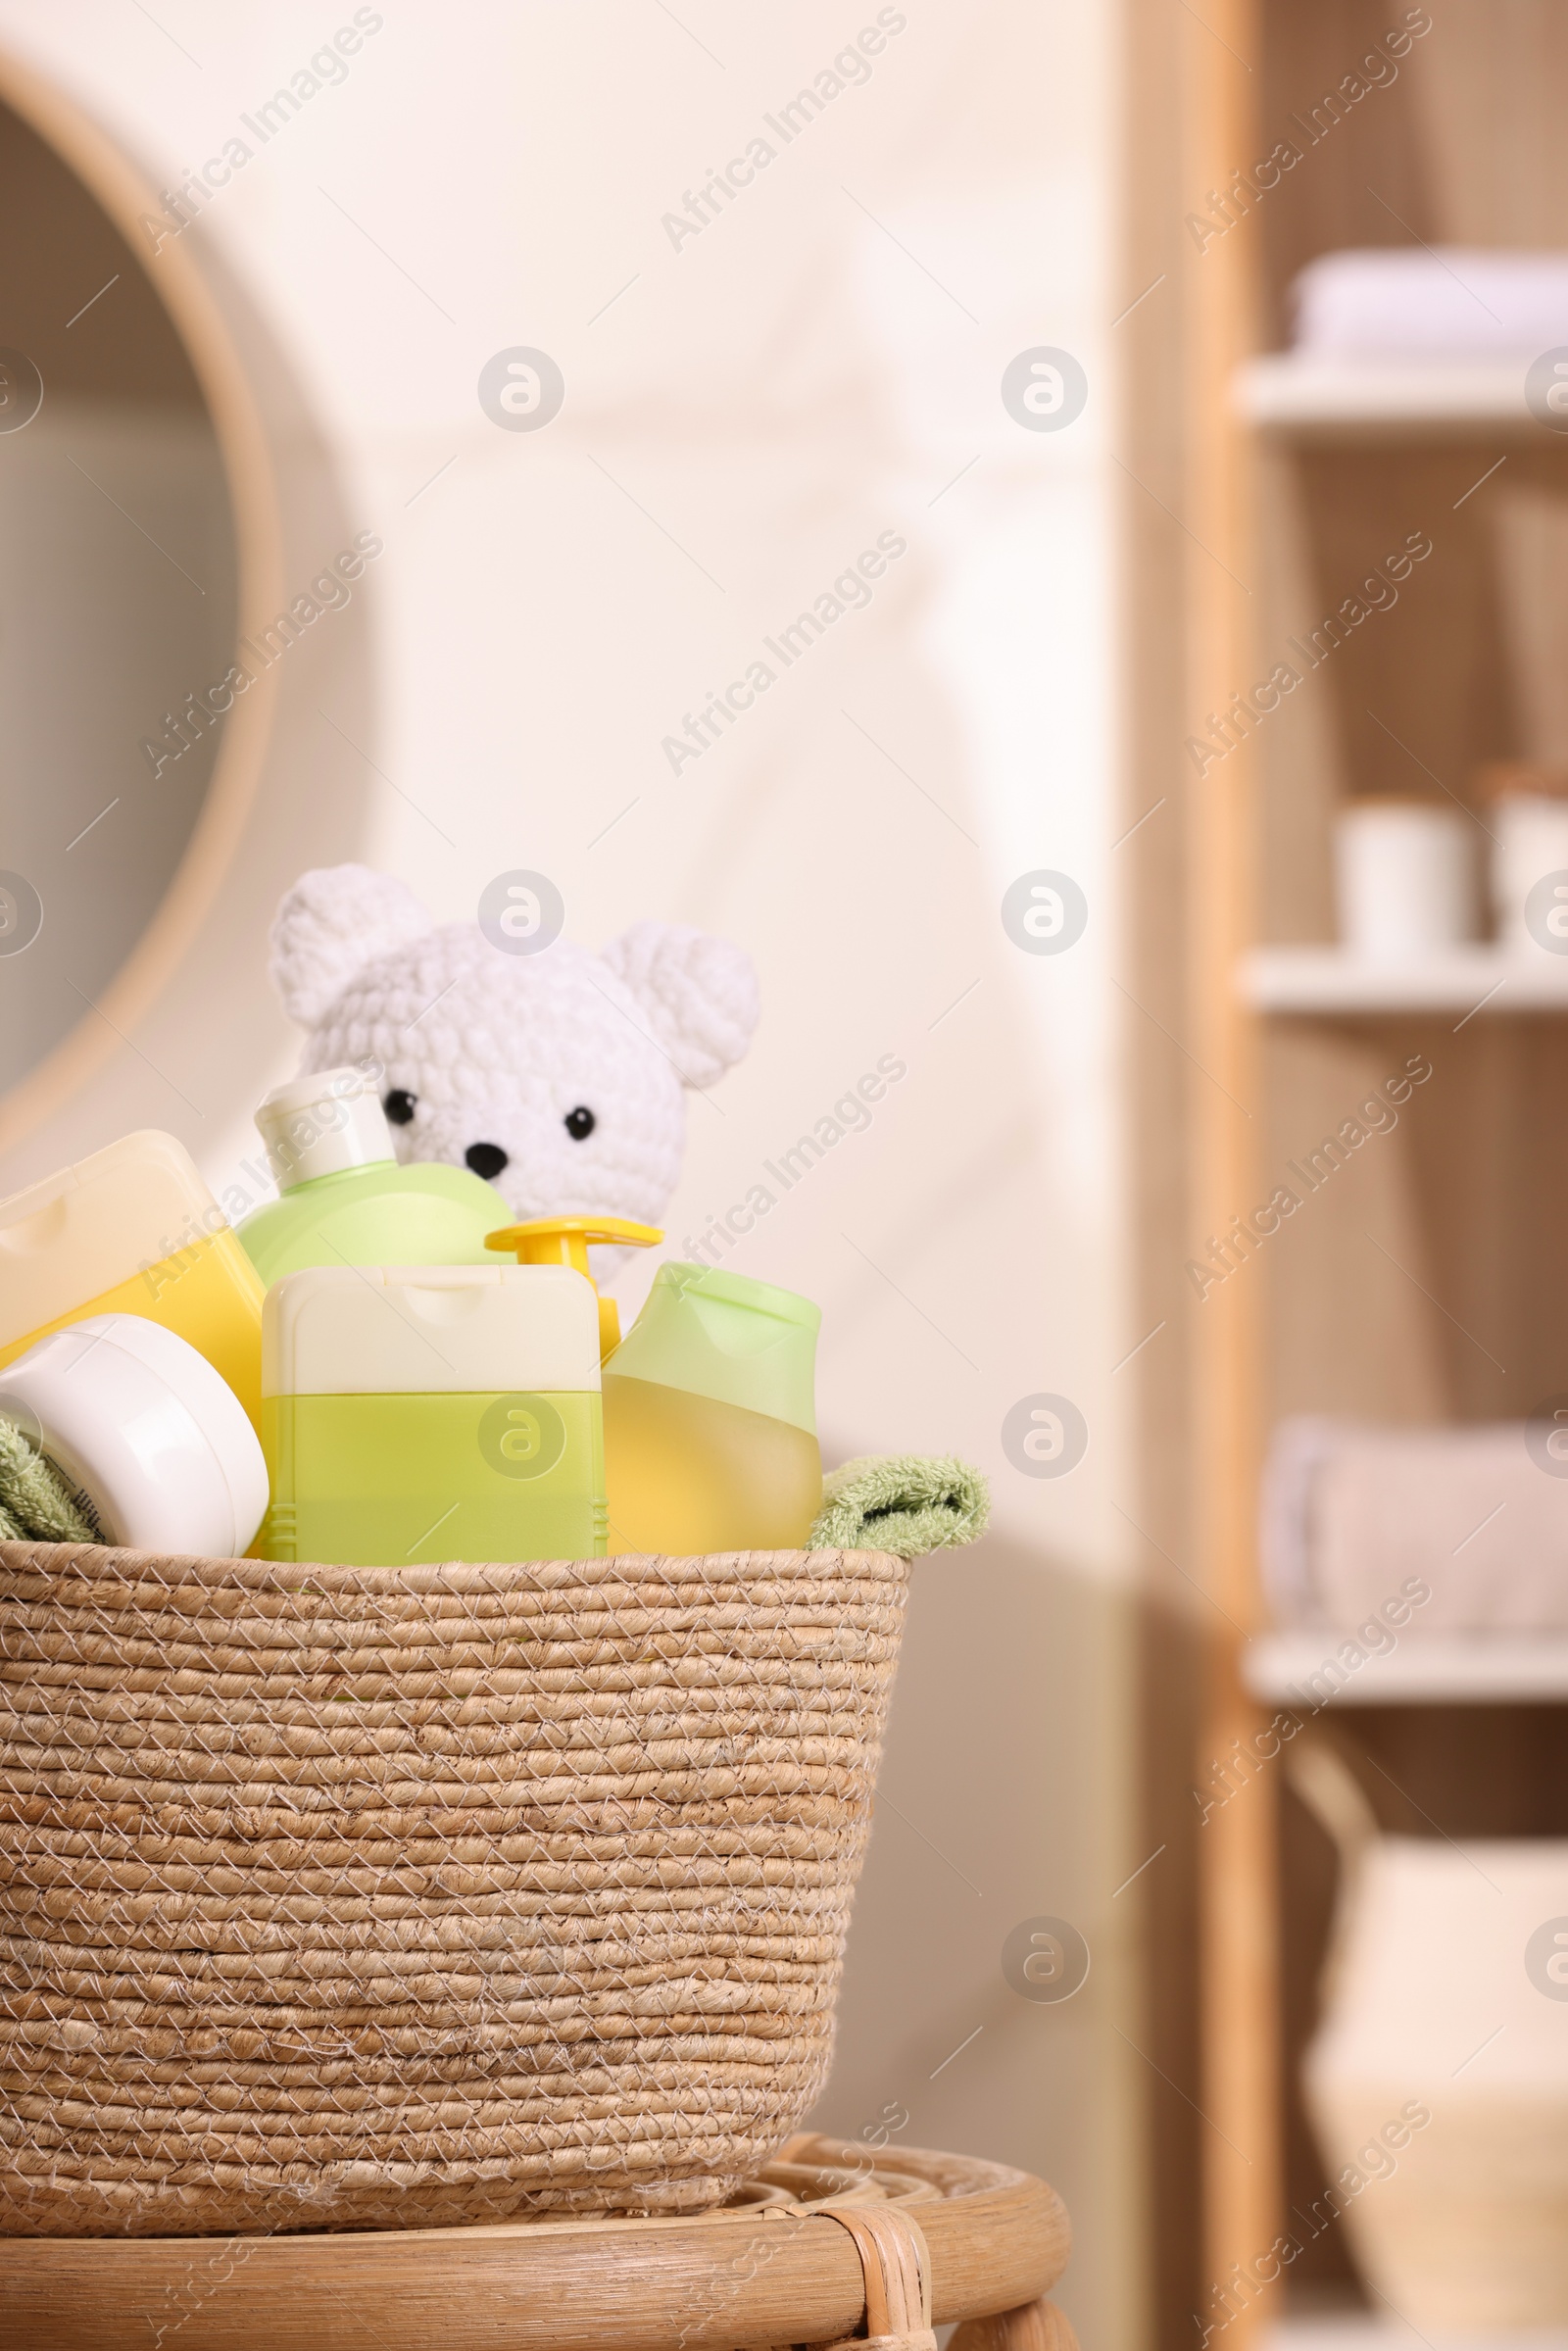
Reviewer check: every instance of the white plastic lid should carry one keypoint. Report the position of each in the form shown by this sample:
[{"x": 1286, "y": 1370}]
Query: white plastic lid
[
  {"x": 428, "y": 1330},
  {"x": 322, "y": 1124},
  {"x": 156, "y": 1442}
]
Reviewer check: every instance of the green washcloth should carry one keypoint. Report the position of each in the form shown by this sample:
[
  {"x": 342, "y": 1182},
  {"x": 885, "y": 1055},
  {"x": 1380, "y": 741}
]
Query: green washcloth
[
  {"x": 906, "y": 1503},
  {"x": 34, "y": 1498}
]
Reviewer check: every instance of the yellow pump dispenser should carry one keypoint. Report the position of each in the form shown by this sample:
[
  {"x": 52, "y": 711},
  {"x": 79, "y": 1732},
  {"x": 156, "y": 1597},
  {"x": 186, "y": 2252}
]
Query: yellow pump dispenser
[{"x": 565, "y": 1240}]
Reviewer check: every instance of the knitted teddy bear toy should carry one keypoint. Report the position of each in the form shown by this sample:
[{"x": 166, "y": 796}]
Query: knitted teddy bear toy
[{"x": 558, "y": 1075}]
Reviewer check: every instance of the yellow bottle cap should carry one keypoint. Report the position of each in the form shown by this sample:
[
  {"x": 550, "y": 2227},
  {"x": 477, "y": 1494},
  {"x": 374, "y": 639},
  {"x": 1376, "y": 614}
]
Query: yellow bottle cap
[{"x": 565, "y": 1240}]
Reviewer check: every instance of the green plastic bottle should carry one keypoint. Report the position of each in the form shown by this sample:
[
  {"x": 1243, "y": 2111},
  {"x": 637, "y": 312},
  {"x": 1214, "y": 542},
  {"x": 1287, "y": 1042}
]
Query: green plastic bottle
[
  {"x": 415, "y": 1413},
  {"x": 345, "y": 1200},
  {"x": 710, "y": 1420}
]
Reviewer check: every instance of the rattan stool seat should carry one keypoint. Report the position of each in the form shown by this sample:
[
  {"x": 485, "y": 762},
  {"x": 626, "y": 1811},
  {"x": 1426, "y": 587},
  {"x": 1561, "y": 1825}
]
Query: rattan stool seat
[{"x": 830, "y": 2239}]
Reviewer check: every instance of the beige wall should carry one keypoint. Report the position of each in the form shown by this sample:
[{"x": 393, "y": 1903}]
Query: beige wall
[{"x": 1008, "y": 1773}]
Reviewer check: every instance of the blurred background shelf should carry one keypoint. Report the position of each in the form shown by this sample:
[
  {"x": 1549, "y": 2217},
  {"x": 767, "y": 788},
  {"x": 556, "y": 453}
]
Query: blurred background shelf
[
  {"x": 1477, "y": 1668},
  {"x": 1468, "y": 979},
  {"x": 1314, "y": 396}
]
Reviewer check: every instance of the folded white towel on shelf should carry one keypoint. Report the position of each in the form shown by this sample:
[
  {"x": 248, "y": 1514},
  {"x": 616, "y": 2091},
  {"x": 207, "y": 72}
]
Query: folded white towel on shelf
[
  {"x": 1350, "y": 1510},
  {"x": 1459, "y": 302}
]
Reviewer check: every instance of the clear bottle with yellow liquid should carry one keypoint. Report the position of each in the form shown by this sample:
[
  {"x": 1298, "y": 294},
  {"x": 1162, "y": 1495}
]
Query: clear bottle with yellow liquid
[
  {"x": 709, "y": 1418},
  {"x": 709, "y": 1401}
]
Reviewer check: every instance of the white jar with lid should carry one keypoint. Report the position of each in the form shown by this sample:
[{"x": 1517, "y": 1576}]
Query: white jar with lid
[
  {"x": 1405, "y": 874},
  {"x": 156, "y": 1447},
  {"x": 1530, "y": 832}
]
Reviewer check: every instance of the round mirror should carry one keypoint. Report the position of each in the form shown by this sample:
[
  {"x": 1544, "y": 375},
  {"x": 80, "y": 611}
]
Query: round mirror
[{"x": 118, "y": 600}]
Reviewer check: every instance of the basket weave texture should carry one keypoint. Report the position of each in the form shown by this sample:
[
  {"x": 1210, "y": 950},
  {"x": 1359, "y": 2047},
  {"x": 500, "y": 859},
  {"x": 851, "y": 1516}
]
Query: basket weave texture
[{"x": 366, "y": 1898}]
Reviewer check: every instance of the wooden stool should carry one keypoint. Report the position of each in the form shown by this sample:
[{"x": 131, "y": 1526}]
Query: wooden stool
[{"x": 830, "y": 2239}]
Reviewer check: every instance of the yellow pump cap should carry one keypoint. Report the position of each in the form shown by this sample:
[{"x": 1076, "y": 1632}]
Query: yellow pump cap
[{"x": 564, "y": 1241}]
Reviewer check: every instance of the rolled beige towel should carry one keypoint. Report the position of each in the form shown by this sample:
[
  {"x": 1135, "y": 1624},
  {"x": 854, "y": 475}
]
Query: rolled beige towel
[
  {"x": 1349, "y": 1510},
  {"x": 1464, "y": 302}
]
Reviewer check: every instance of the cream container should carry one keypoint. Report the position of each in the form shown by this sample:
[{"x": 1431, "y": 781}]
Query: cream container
[{"x": 158, "y": 1448}]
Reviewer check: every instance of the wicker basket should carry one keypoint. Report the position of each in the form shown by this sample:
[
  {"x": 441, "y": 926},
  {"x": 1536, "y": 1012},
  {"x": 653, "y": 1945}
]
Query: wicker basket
[{"x": 359, "y": 1897}]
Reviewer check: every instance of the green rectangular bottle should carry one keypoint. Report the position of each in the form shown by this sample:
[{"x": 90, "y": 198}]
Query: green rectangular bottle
[{"x": 411, "y": 1414}]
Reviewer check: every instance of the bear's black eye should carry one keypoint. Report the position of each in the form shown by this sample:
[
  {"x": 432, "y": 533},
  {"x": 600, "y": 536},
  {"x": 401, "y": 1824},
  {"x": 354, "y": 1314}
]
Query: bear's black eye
[
  {"x": 580, "y": 1123},
  {"x": 398, "y": 1106}
]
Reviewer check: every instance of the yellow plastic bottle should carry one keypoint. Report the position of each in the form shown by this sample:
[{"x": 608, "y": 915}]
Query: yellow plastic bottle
[
  {"x": 132, "y": 1230},
  {"x": 709, "y": 1418}
]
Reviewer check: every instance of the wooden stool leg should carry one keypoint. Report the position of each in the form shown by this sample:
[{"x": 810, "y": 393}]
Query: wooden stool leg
[{"x": 1037, "y": 2327}]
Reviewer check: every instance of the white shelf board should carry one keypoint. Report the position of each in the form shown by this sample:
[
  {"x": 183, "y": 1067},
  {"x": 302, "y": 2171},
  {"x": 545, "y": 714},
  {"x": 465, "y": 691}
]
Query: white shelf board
[
  {"x": 1364, "y": 2331},
  {"x": 1475, "y": 1669},
  {"x": 1327, "y": 394},
  {"x": 1464, "y": 979}
]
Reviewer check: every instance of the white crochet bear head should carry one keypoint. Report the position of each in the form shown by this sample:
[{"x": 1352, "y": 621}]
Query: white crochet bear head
[{"x": 558, "y": 1076}]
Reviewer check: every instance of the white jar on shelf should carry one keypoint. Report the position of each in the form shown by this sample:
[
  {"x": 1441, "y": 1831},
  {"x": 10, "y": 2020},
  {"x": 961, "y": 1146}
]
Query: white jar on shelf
[
  {"x": 1405, "y": 877},
  {"x": 1529, "y": 845}
]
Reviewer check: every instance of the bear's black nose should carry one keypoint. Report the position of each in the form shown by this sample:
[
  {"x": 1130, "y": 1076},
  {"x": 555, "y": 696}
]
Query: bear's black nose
[{"x": 487, "y": 1159}]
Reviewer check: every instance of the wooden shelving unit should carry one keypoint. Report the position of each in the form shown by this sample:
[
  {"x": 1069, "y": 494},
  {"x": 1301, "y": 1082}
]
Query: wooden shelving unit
[
  {"x": 1238, "y": 1980},
  {"x": 1299, "y": 474}
]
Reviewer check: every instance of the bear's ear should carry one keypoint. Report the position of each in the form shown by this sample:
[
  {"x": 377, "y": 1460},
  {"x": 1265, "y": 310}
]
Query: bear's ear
[
  {"x": 699, "y": 995},
  {"x": 332, "y": 923}
]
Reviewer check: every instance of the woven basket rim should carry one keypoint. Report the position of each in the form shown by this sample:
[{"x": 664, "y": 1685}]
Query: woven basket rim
[{"x": 416, "y": 1575}]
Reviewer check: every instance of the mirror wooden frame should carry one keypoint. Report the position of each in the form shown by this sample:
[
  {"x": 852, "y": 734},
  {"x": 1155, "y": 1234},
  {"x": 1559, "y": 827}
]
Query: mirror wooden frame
[{"x": 125, "y": 195}]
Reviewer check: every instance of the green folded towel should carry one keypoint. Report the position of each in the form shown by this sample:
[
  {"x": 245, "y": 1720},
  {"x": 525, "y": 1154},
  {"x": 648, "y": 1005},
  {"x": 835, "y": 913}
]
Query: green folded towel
[
  {"x": 905, "y": 1504},
  {"x": 34, "y": 1498}
]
